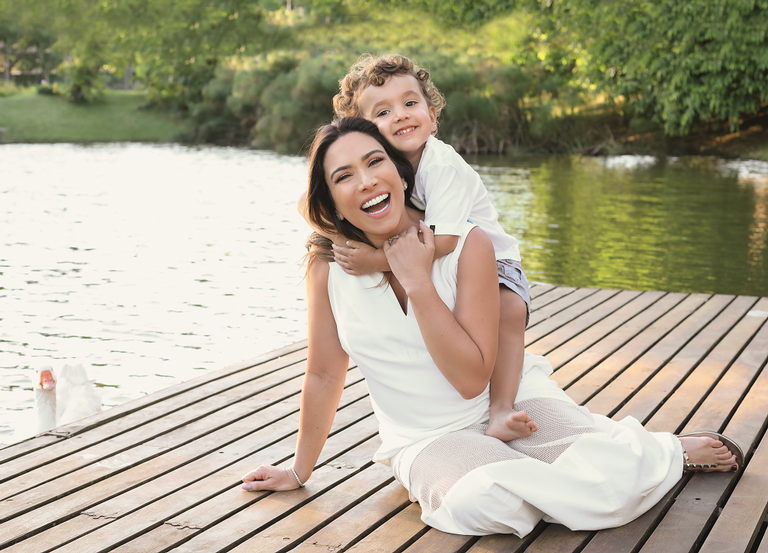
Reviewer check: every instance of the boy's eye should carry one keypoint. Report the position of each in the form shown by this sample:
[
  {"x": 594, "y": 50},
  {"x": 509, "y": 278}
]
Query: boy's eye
[
  {"x": 382, "y": 113},
  {"x": 410, "y": 103}
]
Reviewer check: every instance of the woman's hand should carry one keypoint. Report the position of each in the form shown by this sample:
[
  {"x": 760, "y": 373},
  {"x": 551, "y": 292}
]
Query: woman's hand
[
  {"x": 410, "y": 259},
  {"x": 267, "y": 477}
]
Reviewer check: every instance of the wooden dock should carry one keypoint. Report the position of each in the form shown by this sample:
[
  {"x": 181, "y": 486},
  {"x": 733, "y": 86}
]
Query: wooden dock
[{"x": 162, "y": 473}]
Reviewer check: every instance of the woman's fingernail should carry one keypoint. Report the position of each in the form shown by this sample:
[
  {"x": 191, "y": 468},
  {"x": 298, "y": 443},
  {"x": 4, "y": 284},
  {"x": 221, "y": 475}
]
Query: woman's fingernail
[
  {"x": 247, "y": 487},
  {"x": 734, "y": 467}
]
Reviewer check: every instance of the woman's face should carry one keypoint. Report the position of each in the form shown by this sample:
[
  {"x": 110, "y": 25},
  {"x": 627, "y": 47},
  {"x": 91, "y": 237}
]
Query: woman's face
[{"x": 365, "y": 185}]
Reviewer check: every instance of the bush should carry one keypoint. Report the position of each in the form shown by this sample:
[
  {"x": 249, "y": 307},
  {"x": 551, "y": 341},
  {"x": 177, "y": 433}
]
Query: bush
[{"x": 8, "y": 89}]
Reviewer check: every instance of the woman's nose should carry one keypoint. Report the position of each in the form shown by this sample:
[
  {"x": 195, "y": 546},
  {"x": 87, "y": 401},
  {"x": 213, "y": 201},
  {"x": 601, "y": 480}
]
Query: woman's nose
[{"x": 367, "y": 181}]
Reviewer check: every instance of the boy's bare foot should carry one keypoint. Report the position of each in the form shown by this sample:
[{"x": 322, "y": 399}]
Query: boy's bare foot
[
  {"x": 704, "y": 450},
  {"x": 510, "y": 425}
]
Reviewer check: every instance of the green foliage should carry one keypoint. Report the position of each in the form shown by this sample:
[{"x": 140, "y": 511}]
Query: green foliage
[
  {"x": 26, "y": 38},
  {"x": 683, "y": 63},
  {"x": 8, "y": 89}
]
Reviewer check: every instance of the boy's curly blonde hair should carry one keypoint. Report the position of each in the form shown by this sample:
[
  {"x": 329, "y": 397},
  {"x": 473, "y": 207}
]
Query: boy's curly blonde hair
[{"x": 374, "y": 71}]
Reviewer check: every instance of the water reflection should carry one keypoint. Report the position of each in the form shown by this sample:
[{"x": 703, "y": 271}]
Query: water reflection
[
  {"x": 637, "y": 222},
  {"x": 150, "y": 264}
]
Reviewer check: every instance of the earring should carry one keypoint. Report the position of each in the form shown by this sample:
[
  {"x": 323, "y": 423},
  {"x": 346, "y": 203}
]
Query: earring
[
  {"x": 405, "y": 185},
  {"x": 340, "y": 216}
]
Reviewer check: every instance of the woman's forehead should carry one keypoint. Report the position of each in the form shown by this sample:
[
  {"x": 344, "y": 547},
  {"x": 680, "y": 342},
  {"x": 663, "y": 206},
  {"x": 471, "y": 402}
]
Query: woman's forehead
[{"x": 350, "y": 149}]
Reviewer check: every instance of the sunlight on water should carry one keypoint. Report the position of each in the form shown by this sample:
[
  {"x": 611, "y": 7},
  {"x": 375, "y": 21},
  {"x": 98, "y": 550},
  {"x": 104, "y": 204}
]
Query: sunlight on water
[{"x": 147, "y": 264}]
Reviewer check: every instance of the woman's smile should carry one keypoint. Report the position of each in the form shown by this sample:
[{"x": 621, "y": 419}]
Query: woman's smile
[{"x": 376, "y": 205}]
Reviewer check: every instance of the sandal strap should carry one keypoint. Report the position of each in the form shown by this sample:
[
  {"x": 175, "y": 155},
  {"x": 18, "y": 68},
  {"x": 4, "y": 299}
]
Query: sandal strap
[{"x": 687, "y": 465}]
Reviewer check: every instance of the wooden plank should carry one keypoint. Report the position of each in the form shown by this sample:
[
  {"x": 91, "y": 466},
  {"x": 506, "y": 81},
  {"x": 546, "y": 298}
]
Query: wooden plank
[
  {"x": 666, "y": 380},
  {"x": 358, "y": 521},
  {"x": 538, "y": 329},
  {"x": 740, "y": 522},
  {"x": 616, "y": 346},
  {"x": 719, "y": 404},
  {"x": 746, "y": 425},
  {"x": 537, "y": 290},
  {"x": 560, "y": 305},
  {"x": 552, "y": 294},
  {"x": 170, "y": 495},
  {"x": 556, "y": 538},
  {"x": 500, "y": 543},
  {"x": 598, "y": 330},
  {"x": 301, "y": 523},
  {"x": 138, "y": 421},
  {"x": 219, "y": 486},
  {"x": 435, "y": 541},
  {"x": 763, "y": 547},
  {"x": 242, "y": 514},
  {"x": 705, "y": 376},
  {"x": 629, "y": 537},
  {"x": 277, "y": 358},
  {"x": 252, "y": 439},
  {"x": 396, "y": 533},
  {"x": 683, "y": 528},
  {"x": 662, "y": 351},
  {"x": 177, "y": 427},
  {"x": 197, "y": 436}
]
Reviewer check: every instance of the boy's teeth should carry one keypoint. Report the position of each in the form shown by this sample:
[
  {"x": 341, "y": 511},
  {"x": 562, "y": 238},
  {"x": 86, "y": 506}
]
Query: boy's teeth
[{"x": 374, "y": 201}]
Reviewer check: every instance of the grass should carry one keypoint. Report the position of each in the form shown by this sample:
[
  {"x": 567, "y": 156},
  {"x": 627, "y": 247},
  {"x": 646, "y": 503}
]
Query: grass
[{"x": 28, "y": 117}]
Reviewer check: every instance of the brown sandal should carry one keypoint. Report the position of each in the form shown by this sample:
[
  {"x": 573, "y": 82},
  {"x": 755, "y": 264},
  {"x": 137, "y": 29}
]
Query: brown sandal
[{"x": 727, "y": 442}]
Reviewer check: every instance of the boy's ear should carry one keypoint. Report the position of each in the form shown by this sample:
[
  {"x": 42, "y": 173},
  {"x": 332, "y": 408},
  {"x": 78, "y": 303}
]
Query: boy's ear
[{"x": 433, "y": 118}]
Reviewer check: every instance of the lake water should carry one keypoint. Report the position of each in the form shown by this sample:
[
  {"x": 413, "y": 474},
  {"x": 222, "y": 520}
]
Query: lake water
[{"x": 151, "y": 264}]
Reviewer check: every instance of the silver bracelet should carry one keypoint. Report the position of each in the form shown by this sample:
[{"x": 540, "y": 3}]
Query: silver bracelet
[{"x": 297, "y": 477}]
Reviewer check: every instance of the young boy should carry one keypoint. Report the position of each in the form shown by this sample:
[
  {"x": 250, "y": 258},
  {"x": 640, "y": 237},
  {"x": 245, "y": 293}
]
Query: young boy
[{"x": 399, "y": 97}]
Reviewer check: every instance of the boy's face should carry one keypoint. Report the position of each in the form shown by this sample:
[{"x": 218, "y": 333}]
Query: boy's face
[{"x": 402, "y": 114}]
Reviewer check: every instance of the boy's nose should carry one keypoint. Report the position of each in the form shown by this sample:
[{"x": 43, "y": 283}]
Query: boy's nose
[{"x": 401, "y": 114}]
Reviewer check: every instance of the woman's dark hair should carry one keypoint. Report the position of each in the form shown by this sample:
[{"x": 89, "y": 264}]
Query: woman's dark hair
[{"x": 320, "y": 206}]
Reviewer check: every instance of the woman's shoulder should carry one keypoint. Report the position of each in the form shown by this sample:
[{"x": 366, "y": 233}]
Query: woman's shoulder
[
  {"x": 317, "y": 271},
  {"x": 476, "y": 241}
]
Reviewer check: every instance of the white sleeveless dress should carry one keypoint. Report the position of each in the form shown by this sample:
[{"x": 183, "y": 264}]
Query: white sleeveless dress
[{"x": 585, "y": 471}]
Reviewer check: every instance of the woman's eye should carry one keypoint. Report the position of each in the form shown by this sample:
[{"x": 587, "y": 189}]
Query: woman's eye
[
  {"x": 340, "y": 178},
  {"x": 376, "y": 161}
]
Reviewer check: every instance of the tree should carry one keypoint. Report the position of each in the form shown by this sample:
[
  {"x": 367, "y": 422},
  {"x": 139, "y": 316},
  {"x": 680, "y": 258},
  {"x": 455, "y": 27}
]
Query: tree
[{"x": 681, "y": 63}]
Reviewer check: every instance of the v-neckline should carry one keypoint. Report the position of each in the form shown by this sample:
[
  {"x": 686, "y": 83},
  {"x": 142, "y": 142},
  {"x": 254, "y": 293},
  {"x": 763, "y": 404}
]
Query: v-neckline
[{"x": 404, "y": 309}]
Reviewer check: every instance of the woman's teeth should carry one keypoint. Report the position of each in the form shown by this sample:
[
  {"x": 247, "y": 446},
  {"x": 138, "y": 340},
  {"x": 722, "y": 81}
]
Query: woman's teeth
[{"x": 375, "y": 201}]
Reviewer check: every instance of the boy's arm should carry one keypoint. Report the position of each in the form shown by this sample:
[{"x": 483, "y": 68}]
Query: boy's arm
[{"x": 357, "y": 258}]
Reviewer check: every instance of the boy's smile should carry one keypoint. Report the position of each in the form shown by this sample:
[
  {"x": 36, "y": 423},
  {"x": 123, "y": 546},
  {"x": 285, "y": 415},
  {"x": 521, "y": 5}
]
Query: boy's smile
[{"x": 402, "y": 114}]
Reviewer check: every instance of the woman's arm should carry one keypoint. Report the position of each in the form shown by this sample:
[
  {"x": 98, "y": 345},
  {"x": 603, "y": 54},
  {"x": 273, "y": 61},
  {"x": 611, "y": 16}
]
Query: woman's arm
[
  {"x": 462, "y": 343},
  {"x": 323, "y": 384}
]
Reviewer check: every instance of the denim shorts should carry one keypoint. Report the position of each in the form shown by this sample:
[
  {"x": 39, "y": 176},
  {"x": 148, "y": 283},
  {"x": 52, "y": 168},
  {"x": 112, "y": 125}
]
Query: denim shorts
[{"x": 512, "y": 276}]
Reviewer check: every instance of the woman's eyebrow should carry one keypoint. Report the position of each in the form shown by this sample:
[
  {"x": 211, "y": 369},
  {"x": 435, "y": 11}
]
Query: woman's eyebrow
[
  {"x": 369, "y": 154},
  {"x": 342, "y": 168},
  {"x": 363, "y": 157}
]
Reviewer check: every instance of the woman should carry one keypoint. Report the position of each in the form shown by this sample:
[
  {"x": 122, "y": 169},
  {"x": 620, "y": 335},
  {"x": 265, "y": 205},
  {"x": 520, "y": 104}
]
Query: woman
[{"x": 425, "y": 337}]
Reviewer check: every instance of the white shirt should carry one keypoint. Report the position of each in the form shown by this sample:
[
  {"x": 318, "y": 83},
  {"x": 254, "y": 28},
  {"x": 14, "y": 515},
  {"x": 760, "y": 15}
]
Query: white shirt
[{"x": 452, "y": 193}]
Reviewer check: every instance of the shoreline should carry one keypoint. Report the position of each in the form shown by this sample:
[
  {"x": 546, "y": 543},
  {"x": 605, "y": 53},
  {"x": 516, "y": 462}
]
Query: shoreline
[{"x": 29, "y": 118}]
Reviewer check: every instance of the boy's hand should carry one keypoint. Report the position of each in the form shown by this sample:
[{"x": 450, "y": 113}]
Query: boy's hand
[{"x": 358, "y": 258}]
